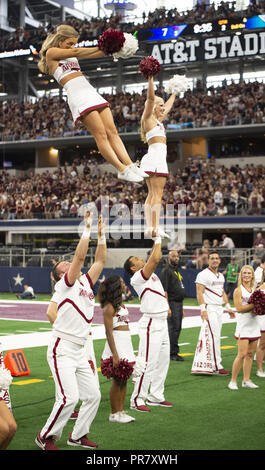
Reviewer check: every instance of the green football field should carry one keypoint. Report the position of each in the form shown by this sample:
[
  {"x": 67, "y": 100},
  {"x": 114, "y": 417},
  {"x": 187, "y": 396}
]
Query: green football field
[{"x": 206, "y": 414}]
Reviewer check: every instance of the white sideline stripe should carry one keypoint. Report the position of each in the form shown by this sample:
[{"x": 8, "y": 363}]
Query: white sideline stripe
[{"x": 30, "y": 340}]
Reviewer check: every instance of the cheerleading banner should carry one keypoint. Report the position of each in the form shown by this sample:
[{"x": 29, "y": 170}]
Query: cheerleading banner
[
  {"x": 203, "y": 362},
  {"x": 201, "y": 49}
]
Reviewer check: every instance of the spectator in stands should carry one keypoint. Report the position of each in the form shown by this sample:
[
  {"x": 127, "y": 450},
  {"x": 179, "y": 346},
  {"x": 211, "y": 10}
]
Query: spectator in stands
[
  {"x": 260, "y": 240},
  {"x": 227, "y": 242},
  {"x": 257, "y": 257}
]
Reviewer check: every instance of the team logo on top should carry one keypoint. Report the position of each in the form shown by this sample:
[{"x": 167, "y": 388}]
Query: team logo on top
[{"x": 84, "y": 293}]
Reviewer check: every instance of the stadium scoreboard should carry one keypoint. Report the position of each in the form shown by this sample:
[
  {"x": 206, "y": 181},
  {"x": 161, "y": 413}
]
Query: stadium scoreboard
[{"x": 217, "y": 26}]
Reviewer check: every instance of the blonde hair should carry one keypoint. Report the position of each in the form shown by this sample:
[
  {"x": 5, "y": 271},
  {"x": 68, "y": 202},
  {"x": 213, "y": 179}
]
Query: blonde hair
[
  {"x": 63, "y": 32},
  {"x": 143, "y": 133},
  {"x": 240, "y": 275}
]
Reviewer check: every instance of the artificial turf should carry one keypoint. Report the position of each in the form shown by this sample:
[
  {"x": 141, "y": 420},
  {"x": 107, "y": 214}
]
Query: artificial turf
[{"x": 206, "y": 414}]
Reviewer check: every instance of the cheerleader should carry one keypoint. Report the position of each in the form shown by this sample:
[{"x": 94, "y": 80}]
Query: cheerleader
[
  {"x": 118, "y": 345},
  {"x": 261, "y": 346},
  {"x": 154, "y": 163},
  {"x": 59, "y": 57},
  {"x": 247, "y": 330}
]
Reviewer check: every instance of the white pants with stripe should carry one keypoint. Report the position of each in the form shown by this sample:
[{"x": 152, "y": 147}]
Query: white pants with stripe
[
  {"x": 154, "y": 348},
  {"x": 215, "y": 316},
  {"x": 74, "y": 380}
]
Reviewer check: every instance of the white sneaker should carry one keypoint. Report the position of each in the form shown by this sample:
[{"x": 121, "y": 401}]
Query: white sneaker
[
  {"x": 120, "y": 417},
  {"x": 153, "y": 233},
  {"x": 129, "y": 175},
  {"x": 260, "y": 373},
  {"x": 249, "y": 384},
  {"x": 232, "y": 386},
  {"x": 136, "y": 169}
]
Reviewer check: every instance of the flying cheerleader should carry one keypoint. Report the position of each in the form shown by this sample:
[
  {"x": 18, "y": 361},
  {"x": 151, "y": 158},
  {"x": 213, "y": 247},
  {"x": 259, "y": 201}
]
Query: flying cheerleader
[{"x": 59, "y": 57}]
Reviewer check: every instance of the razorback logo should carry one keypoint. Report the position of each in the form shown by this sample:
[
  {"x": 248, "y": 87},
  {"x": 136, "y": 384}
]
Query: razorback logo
[{"x": 69, "y": 66}]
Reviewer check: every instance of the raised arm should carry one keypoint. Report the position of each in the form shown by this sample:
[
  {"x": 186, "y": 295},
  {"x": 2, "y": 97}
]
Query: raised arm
[
  {"x": 81, "y": 251},
  {"x": 150, "y": 100},
  {"x": 101, "y": 253},
  {"x": 168, "y": 106},
  {"x": 153, "y": 260}
]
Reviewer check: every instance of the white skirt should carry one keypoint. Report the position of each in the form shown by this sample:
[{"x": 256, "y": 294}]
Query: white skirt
[
  {"x": 82, "y": 97},
  {"x": 247, "y": 327},
  {"x": 123, "y": 345},
  {"x": 262, "y": 323},
  {"x": 155, "y": 161}
]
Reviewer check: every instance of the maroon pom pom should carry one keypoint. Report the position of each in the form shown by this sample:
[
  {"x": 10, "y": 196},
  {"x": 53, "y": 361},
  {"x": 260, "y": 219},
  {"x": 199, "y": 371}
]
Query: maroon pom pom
[
  {"x": 121, "y": 372},
  {"x": 111, "y": 41},
  {"x": 258, "y": 299},
  {"x": 106, "y": 367},
  {"x": 149, "y": 67}
]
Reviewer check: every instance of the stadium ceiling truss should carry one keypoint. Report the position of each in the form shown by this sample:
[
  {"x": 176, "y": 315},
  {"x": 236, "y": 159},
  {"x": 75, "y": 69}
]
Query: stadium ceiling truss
[{"x": 20, "y": 76}]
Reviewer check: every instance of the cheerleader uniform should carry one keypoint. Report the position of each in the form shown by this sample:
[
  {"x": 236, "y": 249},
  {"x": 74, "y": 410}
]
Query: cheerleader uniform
[
  {"x": 81, "y": 95},
  {"x": 122, "y": 338},
  {"x": 248, "y": 326},
  {"x": 155, "y": 161}
]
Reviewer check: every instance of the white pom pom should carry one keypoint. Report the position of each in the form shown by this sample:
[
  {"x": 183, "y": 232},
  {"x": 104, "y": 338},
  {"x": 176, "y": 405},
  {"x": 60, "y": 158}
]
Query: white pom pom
[
  {"x": 5, "y": 378},
  {"x": 177, "y": 84},
  {"x": 139, "y": 367},
  {"x": 128, "y": 49}
]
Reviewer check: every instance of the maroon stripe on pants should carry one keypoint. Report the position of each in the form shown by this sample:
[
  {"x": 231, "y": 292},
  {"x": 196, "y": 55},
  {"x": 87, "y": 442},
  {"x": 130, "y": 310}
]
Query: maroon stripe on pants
[
  {"x": 146, "y": 359},
  {"x": 213, "y": 345},
  {"x": 61, "y": 387}
]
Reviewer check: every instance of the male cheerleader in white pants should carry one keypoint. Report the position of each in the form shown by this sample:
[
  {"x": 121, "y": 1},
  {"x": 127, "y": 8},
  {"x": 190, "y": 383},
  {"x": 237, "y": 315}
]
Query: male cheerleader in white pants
[
  {"x": 153, "y": 331},
  {"x": 68, "y": 350},
  {"x": 211, "y": 296}
]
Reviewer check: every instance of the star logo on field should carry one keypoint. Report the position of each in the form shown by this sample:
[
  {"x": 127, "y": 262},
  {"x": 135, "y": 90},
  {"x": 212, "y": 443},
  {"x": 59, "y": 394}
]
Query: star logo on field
[{"x": 18, "y": 280}]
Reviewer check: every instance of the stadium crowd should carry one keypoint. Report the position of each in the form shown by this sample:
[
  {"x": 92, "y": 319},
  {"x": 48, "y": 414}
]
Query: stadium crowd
[
  {"x": 227, "y": 105},
  {"x": 92, "y": 28},
  {"x": 205, "y": 188}
]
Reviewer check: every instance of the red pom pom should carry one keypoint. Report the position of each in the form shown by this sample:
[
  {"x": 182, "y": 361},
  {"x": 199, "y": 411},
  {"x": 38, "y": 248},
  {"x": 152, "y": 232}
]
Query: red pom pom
[
  {"x": 121, "y": 372},
  {"x": 111, "y": 41},
  {"x": 258, "y": 299},
  {"x": 149, "y": 67},
  {"x": 106, "y": 367}
]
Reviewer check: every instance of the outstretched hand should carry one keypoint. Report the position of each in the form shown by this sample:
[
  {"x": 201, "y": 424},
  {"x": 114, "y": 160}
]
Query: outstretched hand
[{"x": 88, "y": 219}]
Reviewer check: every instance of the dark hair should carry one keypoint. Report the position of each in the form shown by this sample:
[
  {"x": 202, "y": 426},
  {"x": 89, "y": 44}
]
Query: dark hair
[
  {"x": 56, "y": 272},
  {"x": 262, "y": 259},
  {"x": 127, "y": 265},
  {"x": 110, "y": 291},
  {"x": 213, "y": 253}
]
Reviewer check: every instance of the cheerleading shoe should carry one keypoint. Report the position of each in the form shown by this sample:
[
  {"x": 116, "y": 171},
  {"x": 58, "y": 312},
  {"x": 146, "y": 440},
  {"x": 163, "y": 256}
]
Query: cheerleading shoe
[
  {"x": 129, "y": 175},
  {"x": 82, "y": 442},
  {"x": 120, "y": 417},
  {"x": 232, "y": 386},
  {"x": 249, "y": 384},
  {"x": 46, "y": 444},
  {"x": 153, "y": 233},
  {"x": 260, "y": 373},
  {"x": 136, "y": 169}
]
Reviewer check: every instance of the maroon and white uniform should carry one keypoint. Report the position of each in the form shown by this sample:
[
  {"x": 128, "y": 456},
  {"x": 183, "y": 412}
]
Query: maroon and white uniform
[
  {"x": 122, "y": 338},
  {"x": 155, "y": 161},
  {"x": 68, "y": 358},
  {"x": 82, "y": 96},
  {"x": 153, "y": 339},
  {"x": 213, "y": 299},
  {"x": 248, "y": 326}
]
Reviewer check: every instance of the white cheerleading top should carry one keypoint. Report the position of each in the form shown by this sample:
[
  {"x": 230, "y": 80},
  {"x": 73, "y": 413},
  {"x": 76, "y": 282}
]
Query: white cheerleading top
[
  {"x": 157, "y": 131},
  {"x": 65, "y": 67},
  {"x": 121, "y": 318},
  {"x": 150, "y": 292},
  {"x": 214, "y": 286},
  {"x": 75, "y": 309}
]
